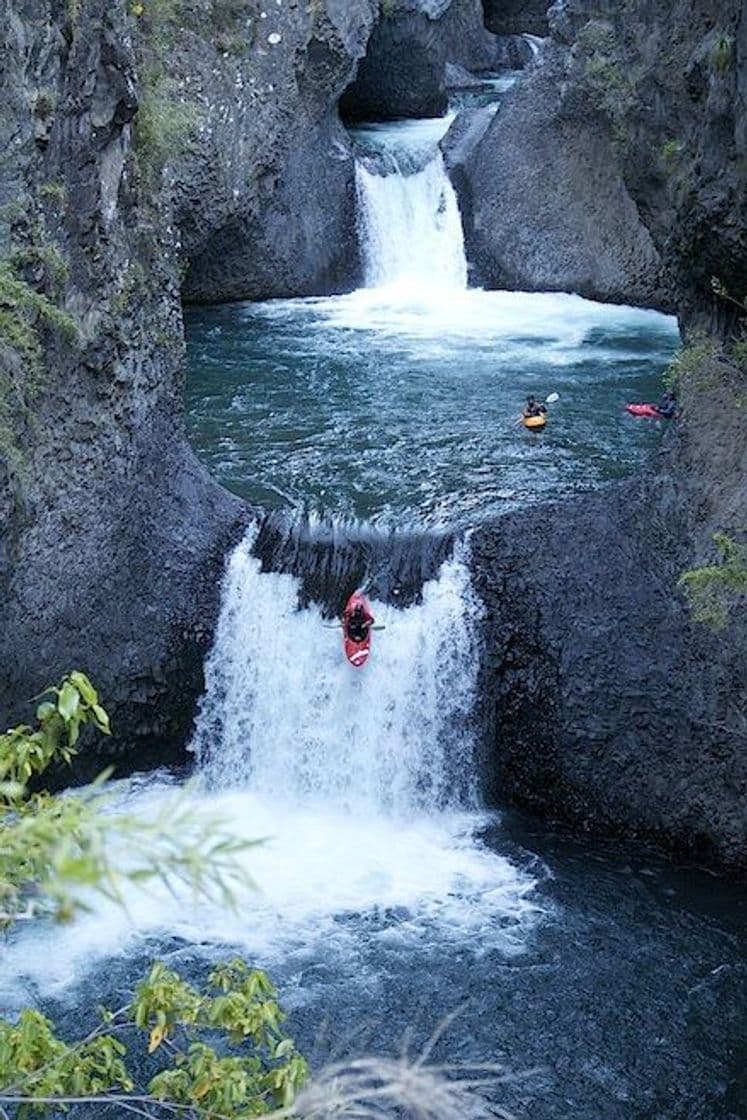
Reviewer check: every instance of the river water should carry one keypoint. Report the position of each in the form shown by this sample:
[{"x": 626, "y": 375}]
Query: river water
[
  {"x": 397, "y": 403},
  {"x": 388, "y": 895}
]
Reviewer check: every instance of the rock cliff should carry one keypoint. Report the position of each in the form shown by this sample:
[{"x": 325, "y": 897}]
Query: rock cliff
[
  {"x": 139, "y": 145},
  {"x": 610, "y": 706},
  {"x": 154, "y": 149}
]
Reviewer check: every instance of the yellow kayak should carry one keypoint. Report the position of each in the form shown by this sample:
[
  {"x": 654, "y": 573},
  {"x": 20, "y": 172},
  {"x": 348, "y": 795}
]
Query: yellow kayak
[{"x": 534, "y": 422}]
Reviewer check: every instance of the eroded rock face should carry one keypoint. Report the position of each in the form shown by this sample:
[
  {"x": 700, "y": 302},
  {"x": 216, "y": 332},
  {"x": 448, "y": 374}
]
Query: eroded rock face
[
  {"x": 516, "y": 17},
  {"x": 113, "y": 535},
  {"x": 404, "y": 72},
  {"x": 610, "y": 706},
  {"x": 671, "y": 86},
  {"x": 544, "y": 204},
  {"x": 266, "y": 197}
]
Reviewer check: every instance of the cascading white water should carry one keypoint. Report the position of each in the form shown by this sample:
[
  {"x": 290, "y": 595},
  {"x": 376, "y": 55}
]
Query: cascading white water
[
  {"x": 361, "y": 784},
  {"x": 285, "y": 716},
  {"x": 411, "y": 228},
  {"x": 408, "y": 216}
]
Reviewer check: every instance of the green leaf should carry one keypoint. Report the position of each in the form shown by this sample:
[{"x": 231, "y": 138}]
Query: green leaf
[
  {"x": 102, "y": 719},
  {"x": 84, "y": 687},
  {"x": 45, "y": 710},
  {"x": 68, "y": 701}
]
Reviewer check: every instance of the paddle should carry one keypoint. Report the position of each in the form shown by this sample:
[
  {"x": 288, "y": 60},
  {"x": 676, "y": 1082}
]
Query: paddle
[{"x": 337, "y": 626}]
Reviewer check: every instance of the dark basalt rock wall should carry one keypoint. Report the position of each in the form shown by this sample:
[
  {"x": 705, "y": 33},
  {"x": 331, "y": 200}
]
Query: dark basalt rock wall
[
  {"x": 404, "y": 72},
  {"x": 609, "y": 706},
  {"x": 544, "y": 204},
  {"x": 112, "y": 535},
  {"x": 516, "y": 17},
  {"x": 627, "y": 140},
  {"x": 669, "y": 83}
]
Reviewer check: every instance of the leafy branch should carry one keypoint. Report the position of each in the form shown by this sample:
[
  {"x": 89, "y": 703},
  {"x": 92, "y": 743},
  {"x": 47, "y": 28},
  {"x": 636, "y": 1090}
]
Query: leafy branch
[
  {"x": 262, "y": 1072},
  {"x": 57, "y": 849}
]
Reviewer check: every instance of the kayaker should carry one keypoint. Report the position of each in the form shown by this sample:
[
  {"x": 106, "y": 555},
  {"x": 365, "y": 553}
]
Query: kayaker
[
  {"x": 667, "y": 406},
  {"x": 359, "y": 623},
  {"x": 534, "y": 408}
]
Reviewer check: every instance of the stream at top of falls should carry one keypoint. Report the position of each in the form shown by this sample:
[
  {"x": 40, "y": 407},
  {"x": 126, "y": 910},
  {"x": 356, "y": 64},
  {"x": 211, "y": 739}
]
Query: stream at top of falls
[{"x": 388, "y": 896}]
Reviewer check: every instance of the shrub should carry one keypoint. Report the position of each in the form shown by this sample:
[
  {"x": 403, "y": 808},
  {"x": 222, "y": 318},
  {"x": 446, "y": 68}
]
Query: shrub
[
  {"x": 688, "y": 364},
  {"x": 712, "y": 591},
  {"x": 671, "y": 151}
]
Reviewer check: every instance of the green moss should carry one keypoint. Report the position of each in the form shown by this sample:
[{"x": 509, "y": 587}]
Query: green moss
[
  {"x": 739, "y": 353},
  {"x": 54, "y": 190},
  {"x": 47, "y": 261},
  {"x": 134, "y": 284},
  {"x": 24, "y": 312},
  {"x": 713, "y": 591},
  {"x": 689, "y": 364},
  {"x": 721, "y": 51},
  {"x": 671, "y": 151},
  {"x": 612, "y": 87},
  {"x": 164, "y": 124},
  {"x": 165, "y": 119}
]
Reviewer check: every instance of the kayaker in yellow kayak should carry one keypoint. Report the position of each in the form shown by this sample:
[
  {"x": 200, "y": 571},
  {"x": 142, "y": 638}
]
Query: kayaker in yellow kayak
[{"x": 533, "y": 408}]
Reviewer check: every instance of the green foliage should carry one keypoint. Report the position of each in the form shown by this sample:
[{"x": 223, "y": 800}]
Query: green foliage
[
  {"x": 739, "y": 352},
  {"x": 54, "y": 190},
  {"x": 164, "y": 123},
  {"x": 612, "y": 88},
  {"x": 48, "y": 266},
  {"x": 236, "y": 1010},
  {"x": 721, "y": 51},
  {"x": 719, "y": 289},
  {"x": 219, "y": 1049},
  {"x": 689, "y": 363},
  {"x": 388, "y": 9},
  {"x": 24, "y": 314},
  {"x": 165, "y": 119},
  {"x": 671, "y": 151},
  {"x": 43, "y": 103},
  {"x": 26, "y": 753},
  {"x": 55, "y": 850},
  {"x": 133, "y": 285},
  {"x": 23, "y": 311},
  {"x": 712, "y": 591},
  {"x": 231, "y": 30}
]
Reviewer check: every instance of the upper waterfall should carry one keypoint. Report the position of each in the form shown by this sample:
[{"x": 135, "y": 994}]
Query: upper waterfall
[{"x": 409, "y": 222}]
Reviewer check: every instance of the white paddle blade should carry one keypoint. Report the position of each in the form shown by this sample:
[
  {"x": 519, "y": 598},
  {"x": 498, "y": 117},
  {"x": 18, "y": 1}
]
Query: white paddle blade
[{"x": 552, "y": 398}]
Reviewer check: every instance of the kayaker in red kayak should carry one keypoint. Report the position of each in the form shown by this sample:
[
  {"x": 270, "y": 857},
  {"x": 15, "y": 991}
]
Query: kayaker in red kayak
[
  {"x": 667, "y": 406},
  {"x": 666, "y": 409},
  {"x": 359, "y": 622}
]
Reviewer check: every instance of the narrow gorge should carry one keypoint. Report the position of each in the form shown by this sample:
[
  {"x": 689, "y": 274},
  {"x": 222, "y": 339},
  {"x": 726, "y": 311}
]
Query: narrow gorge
[{"x": 277, "y": 279}]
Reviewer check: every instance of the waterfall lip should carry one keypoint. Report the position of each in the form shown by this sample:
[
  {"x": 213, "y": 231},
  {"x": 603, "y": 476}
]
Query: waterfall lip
[
  {"x": 331, "y": 557},
  {"x": 399, "y": 147}
]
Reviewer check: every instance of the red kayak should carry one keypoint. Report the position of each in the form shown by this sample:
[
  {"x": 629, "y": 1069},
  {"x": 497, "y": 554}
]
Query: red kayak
[
  {"x": 357, "y": 649},
  {"x": 648, "y": 410}
]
